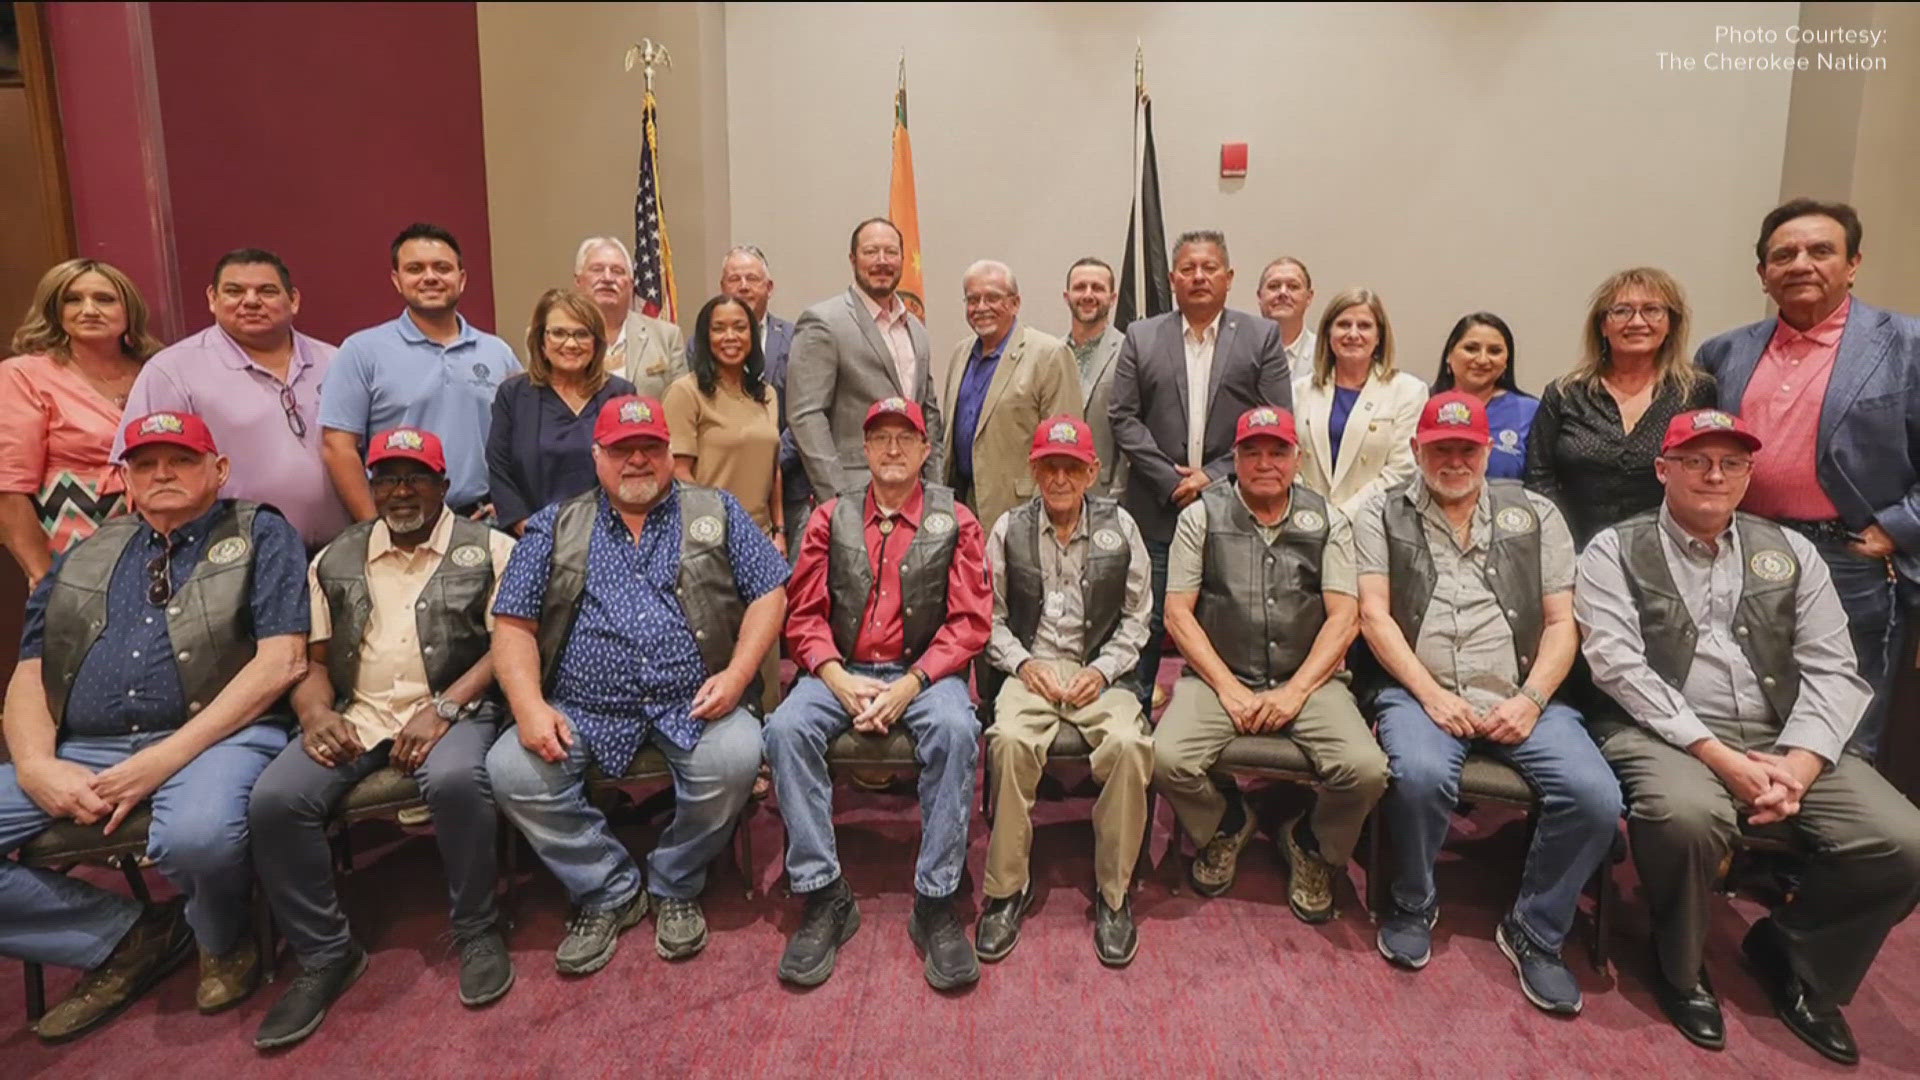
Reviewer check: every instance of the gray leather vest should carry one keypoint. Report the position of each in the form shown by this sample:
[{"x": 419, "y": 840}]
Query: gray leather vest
[
  {"x": 450, "y": 616},
  {"x": 709, "y": 597},
  {"x": 1763, "y": 621},
  {"x": 1260, "y": 603},
  {"x": 1513, "y": 565},
  {"x": 1103, "y": 586},
  {"x": 923, "y": 571},
  {"x": 209, "y": 619}
]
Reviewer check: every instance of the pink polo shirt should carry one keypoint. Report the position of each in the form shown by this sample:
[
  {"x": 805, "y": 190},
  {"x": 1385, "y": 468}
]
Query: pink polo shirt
[{"x": 1782, "y": 406}]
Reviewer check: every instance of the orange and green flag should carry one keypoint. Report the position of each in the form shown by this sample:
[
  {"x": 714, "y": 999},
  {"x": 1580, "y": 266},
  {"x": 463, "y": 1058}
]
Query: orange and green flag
[{"x": 903, "y": 208}]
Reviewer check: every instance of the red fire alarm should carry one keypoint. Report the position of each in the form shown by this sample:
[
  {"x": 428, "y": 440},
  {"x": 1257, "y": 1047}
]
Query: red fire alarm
[{"x": 1233, "y": 159}]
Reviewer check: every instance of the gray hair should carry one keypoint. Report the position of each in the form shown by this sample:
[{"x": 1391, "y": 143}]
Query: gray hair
[
  {"x": 991, "y": 266},
  {"x": 1202, "y": 236},
  {"x": 591, "y": 242},
  {"x": 748, "y": 249}
]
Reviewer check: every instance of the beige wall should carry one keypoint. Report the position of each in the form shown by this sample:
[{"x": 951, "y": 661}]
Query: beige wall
[
  {"x": 1454, "y": 157},
  {"x": 563, "y": 140}
]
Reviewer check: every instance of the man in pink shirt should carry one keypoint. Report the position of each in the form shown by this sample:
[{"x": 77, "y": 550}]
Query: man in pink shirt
[
  {"x": 1832, "y": 388},
  {"x": 255, "y": 380}
]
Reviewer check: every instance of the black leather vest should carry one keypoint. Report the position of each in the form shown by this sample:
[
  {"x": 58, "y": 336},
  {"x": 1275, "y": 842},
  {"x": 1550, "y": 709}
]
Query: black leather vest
[
  {"x": 1103, "y": 585},
  {"x": 1513, "y": 565},
  {"x": 923, "y": 571},
  {"x": 1261, "y": 603}
]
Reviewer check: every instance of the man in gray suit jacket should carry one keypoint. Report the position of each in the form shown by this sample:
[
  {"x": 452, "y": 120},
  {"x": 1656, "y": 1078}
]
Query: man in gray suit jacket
[
  {"x": 849, "y": 352},
  {"x": 1832, "y": 387},
  {"x": 1095, "y": 342},
  {"x": 1182, "y": 380},
  {"x": 745, "y": 276}
]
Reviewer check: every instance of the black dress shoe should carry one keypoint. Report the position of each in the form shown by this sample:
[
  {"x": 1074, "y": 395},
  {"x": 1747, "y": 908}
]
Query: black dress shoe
[
  {"x": 1819, "y": 1026},
  {"x": 1695, "y": 1012},
  {"x": 999, "y": 928},
  {"x": 1114, "y": 937}
]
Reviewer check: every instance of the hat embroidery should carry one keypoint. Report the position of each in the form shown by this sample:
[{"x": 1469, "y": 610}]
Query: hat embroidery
[
  {"x": 636, "y": 412},
  {"x": 1261, "y": 417},
  {"x": 1454, "y": 412},
  {"x": 1064, "y": 432},
  {"x": 893, "y": 404},
  {"x": 406, "y": 439},
  {"x": 162, "y": 423},
  {"x": 1712, "y": 419}
]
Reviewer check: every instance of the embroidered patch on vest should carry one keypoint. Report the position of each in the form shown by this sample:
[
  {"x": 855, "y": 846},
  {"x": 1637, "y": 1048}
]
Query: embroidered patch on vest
[
  {"x": 1108, "y": 540},
  {"x": 1308, "y": 520},
  {"x": 227, "y": 551},
  {"x": 705, "y": 529},
  {"x": 938, "y": 524},
  {"x": 1514, "y": 519},
  {"x": 468, "y": 555},
  {"x": 1771, "y": 565}
]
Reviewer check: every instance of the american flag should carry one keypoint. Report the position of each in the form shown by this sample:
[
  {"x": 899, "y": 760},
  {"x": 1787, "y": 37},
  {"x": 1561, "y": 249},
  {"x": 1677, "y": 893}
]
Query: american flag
[{"x": 652, "y": 253}]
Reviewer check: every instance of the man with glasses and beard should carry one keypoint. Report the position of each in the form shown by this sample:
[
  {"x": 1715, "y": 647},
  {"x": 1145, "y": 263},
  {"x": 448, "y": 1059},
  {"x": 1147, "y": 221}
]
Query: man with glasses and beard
[
  {"x": 256, "y": 381},
  {"x": 400, "y": 675},
  {"x": 151, "y": 654}
]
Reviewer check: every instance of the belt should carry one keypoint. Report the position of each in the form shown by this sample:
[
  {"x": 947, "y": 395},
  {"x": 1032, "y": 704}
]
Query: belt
[{"x": 1828, "y": 531}]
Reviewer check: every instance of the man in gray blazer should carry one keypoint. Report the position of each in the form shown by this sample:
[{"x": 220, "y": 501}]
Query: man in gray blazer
[
  {"x": 1095, "y": 342},
  {"x": 850, "y": 351},
  {"x": 1182, "y": 380},
  {"x": 745, "y": 276},
  {"x": 1832, "y": 387}
]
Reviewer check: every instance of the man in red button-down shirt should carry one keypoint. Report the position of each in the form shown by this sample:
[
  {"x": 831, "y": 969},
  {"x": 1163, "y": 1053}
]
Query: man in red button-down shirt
[{"x": 890, "y": 601}]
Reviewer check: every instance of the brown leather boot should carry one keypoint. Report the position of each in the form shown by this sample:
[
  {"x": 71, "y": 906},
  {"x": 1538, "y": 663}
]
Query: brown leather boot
[
  {"x": 226, "y": 981},
  {"x": 150, "y": 949}
]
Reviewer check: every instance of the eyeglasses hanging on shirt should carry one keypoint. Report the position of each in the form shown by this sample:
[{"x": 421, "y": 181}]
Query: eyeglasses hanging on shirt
[{"x": 292, "y": 408}]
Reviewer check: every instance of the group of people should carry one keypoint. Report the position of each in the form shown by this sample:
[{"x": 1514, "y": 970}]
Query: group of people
[{"x": 1669, "y": 586}]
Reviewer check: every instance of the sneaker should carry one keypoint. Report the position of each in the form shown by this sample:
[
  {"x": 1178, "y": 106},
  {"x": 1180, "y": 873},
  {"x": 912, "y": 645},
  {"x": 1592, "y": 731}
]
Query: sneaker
[
  {"x": 226, "y": 981},
  {"x": 1544, "y": 977},
  {"x": 999, "y": 928},
  {"x": 298, "y": 1013},
  {"x": 679, "y": 927},
  {"x": 936, "y": 931},
  {"x": 486, "y": 968},
  {"x": 1406, "y": 937},
  {"x": 157, "y": 942},
  {"x": 1114, "y": 938},
  {"x": 1218, "y": 862},
  {"x": 593, "y": 935},
  {"x": 1309, "y": 877},
  {"x": 831, "y": 918}
]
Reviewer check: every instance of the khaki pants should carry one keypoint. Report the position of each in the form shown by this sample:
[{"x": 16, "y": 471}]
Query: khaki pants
[
  {"x": 1329, "y": 730},
  {"x": 1023, "y": 729}
]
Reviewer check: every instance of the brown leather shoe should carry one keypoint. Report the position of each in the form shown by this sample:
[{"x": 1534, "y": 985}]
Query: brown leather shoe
[
  {"x": 226, "y": 981},
  {"x": 150, "y": 949}
]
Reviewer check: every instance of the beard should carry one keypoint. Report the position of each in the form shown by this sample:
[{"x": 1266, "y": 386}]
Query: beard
[
  {"x": 1453, "y": 487},
  {"x": 640, "y": 489},
  {"x": 405, "y": 521}
]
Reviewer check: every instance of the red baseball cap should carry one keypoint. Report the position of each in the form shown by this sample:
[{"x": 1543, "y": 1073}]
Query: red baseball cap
[
  {"x": 1063, "y": 436},
  {"x": 630, "y": 417},
  {"x": 1701, "y": 423},
  {"x": 1453, "y": 415},
  {"x": 408, "y": 444},
  {"x": 1268, "y": 422},
  {"x": 173, "y": 429},
  {"x": 897, "y": 406}
]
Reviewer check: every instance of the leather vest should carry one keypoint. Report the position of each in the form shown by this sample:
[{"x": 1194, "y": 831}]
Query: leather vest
[
  {"x": 1261, "y": 603},
  {"x": 1512, "y": 565},
  {"x": 923, "y": 571},
  {"x": 209, "y": 619},
  {"x": 1103, "y": 585},
  {"x": 1763, "y": 621}
]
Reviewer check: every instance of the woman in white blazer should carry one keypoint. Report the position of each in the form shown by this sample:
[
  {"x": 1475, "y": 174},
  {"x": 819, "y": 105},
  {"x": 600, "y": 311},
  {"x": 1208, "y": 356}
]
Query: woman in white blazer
[{"x": 1355, "y": 412}]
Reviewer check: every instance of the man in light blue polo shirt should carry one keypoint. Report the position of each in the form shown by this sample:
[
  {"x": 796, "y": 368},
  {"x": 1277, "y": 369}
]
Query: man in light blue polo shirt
[{"x": 428, "y": 369}]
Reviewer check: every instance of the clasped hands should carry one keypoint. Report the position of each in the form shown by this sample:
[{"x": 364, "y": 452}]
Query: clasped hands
[
  {"x": 1258, "y": 712},
  {"x": 1768, "y": 785},
  {"x": 1085, "y": 686},
  {"x": 874, "y": 704},
  {"x": 1508, "y": 723},
  {"x": 66, "y": 789}
]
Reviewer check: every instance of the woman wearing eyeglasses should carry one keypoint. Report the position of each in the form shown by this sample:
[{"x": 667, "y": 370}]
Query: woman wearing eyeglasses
[
  {"x": 1599, "y": 426},
  {"x": 539, "y": 449},
  {"x": 61, "y": 398}
]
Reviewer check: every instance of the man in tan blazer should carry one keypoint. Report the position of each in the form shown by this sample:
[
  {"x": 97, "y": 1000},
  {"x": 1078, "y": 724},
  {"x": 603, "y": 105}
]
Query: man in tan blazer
[
  {"x": 1001, "y": 382},
  {"x": 1095, "y": 343},
  {"x": 650, "y": 353}
]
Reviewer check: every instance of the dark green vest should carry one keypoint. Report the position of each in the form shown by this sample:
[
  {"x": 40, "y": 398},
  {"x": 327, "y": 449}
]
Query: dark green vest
[
  {"x": 1513, "y": 565},
  {"x": 209, "y": 619},
  {"x": 450, "y": 615},
  {"x": 1103, "y": 586},
  {"x": 1763, "y": 621},
  {"x": 923, "y": 571},
  {"x": 1261, "y": 603},
  {"x": 709, "y": 597}
]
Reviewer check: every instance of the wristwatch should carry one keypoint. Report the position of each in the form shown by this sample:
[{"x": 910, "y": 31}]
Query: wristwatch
[
  {"x": 451, "y": 710},
  {"x": 1539, "y": 699},
  {"x": 921, "y": 676}
]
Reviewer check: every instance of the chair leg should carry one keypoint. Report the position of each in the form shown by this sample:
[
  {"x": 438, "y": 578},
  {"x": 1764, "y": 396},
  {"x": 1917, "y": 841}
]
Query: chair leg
[
  {"x": 265, "y": 934},
  {"x": 1144, "y": 860},
  {"x": 129, "y": 866},
  {"x": 509, "y": 867},
  {"x": 743, "y": 847},
  {"x": 36, "y": 991},
  {"x": 1376, "y": 863}
]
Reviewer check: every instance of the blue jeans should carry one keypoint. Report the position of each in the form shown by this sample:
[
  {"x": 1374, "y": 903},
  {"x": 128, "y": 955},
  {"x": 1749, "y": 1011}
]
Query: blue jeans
[
  {"x": 946, "y": 742},
  {"x": 547, "y": 802},
  {"x": 1148, "y": 669},
  {"x": 1876, "y": 610},
  {"x": 1579, "y": 808},
  {"x": 198, "y": 840}
]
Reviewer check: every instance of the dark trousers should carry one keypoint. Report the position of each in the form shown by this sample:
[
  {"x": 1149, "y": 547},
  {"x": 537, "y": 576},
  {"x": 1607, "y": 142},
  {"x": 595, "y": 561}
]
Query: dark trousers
[
  {"x": 1877, "y": 608},
  {"x": 1149, "y": 668}
]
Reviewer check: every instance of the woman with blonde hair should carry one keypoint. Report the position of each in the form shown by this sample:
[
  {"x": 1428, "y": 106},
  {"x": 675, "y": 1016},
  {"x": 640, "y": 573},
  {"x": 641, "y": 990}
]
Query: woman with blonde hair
[
  {"x": 1600, "y": 426},
  {"x": 61, "y": 399},
  {"x": 1355, "y": 410},
  {"x": 540, "y": 444}
]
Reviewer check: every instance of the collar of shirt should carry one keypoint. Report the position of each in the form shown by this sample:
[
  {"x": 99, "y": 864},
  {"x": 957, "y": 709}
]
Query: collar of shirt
[
  {"x": 380, "y": 543},
  {"x": 231, "y": 354},
  {"x": 1285, "y": 507},
  {"x": 1692, "y": 545},
  {"x": 997, "y": 349},
  {"x": 411, "y": 333},
  {"x": 1205, "y": 335},
  {"x": 1824, "y": 334},
  {"x": 1078, "y": 534},
  {"x": 185, "y": 534},
  {"x": 1431, "y": 510},
  {"x": 611, "y": 519},
  {"x": 909, "y": 511},
  {"x": 895, "y": 310}
]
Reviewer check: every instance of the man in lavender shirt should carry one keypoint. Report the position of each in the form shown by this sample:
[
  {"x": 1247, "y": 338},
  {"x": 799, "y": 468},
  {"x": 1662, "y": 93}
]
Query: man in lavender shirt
[{"x": 256, "y": 382}]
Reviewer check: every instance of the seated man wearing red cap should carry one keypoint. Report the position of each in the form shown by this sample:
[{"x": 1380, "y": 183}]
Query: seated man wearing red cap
[
  {"x": 890, "y": 603},
  {"x": 1261, "y": 601},
  {"x": 152, "y": 652},
  {"x": 1466, "y": 599},
  {"x": 637, "y": 612},
  {"x": 1721, "y": 637},
  {"x": 1072, "y": 593},
  {"x": 400, "y": 675}
]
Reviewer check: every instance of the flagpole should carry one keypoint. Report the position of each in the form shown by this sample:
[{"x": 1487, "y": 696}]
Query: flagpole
[
  {"x": 1133, "y": 170},
  {"x": 649, "y": 54}
]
